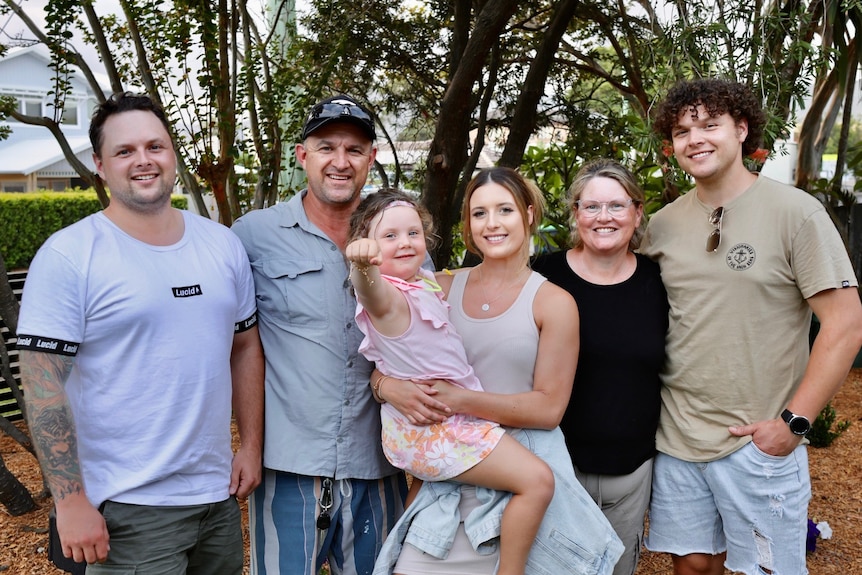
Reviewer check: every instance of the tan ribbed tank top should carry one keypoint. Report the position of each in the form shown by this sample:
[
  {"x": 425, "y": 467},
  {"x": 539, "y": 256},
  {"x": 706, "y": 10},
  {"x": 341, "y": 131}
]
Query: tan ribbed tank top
[{"x": 501, "y": 349}]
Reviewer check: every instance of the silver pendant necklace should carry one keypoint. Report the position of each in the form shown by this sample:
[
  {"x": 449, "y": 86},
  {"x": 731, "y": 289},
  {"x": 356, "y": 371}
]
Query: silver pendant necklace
[{"x": 487, "y": 305}]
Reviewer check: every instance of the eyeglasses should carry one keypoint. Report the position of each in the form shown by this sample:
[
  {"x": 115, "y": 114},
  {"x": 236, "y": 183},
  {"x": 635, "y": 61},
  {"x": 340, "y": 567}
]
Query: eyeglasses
[
  {"x": 714, "y": 238},
  {"x": 593, "y": 209},
  {"x": 339, "y": 108}
]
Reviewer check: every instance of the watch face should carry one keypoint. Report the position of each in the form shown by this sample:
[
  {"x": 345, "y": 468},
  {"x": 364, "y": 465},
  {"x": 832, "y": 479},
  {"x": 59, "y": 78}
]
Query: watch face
[{"x": 799, "y": 425}]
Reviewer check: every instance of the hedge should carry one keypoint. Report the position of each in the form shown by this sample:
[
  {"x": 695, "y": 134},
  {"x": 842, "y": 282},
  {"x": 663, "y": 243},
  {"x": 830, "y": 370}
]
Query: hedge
[{"x": 28, "y": 219}]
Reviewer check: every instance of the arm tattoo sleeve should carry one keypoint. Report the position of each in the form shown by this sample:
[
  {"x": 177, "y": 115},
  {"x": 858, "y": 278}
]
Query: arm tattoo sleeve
[{"x": 50, "y": 420}]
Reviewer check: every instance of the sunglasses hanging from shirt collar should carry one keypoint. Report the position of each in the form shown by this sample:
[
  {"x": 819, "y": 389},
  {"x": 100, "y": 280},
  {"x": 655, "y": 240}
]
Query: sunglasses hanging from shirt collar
[{"x": 714, "y": 238}]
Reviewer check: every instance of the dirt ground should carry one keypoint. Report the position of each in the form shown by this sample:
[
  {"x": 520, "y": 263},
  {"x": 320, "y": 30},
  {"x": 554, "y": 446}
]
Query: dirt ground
[{"x": 836, "y": 475}]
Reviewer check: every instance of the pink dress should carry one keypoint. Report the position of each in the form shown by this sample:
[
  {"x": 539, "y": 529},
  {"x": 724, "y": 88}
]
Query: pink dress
[{"x": 429, "y": 349}]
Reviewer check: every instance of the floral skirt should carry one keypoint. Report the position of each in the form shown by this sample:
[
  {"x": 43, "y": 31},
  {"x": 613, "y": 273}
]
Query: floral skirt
[{"x": 439, "y": 451}]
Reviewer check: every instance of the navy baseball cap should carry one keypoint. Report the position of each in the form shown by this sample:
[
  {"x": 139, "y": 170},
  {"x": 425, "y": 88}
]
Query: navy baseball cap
[{"x": 341, "y": 108}]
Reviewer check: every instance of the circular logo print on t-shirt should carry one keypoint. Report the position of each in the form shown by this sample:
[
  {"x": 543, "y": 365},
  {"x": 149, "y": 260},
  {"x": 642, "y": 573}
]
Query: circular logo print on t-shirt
[{"x": 740, "y": 257}]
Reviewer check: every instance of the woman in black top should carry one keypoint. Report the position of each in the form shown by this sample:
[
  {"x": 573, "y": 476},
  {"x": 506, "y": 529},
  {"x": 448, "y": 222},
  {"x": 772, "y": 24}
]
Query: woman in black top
[{"x": 612, "y": 416}]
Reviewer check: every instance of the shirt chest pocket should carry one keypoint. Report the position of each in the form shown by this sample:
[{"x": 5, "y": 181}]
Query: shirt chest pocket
[{"x": 293, "y": 292}]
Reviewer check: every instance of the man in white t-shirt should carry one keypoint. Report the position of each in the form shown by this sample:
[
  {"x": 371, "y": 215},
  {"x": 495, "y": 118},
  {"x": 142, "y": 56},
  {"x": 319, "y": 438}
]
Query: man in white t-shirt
[
  {"x": 745, "y": 261},
  {"x": 138, "y": 336}
]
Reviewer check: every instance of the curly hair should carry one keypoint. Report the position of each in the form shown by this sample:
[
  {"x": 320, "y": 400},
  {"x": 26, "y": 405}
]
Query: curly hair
[
  {"x": 718, "y": 96},
  {"x": 375, "y": 203}
]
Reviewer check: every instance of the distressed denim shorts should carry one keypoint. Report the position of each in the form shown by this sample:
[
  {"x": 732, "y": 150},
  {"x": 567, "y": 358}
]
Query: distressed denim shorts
[{"x": 750, "y": 504}]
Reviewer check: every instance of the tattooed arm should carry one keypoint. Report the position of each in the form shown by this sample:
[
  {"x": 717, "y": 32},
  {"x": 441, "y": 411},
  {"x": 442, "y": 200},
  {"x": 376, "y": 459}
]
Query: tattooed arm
[{"x": 82, "y": 529}]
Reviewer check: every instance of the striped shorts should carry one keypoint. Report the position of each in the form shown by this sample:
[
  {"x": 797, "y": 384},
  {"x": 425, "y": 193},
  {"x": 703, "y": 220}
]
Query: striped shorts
[{"x": 283, "y": 523}]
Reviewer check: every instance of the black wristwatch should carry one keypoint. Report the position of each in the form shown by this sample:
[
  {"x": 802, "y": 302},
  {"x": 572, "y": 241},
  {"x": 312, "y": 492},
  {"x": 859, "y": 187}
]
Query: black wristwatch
[{"x": 798, "y": 424}]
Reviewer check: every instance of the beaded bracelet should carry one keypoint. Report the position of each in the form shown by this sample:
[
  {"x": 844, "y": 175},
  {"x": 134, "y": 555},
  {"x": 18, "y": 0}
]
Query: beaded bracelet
[{"x": 364, "y": 271}]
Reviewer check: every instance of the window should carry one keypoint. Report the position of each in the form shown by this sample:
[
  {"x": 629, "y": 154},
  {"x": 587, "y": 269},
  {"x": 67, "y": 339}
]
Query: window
[
  {"x": 34, "y": 106},
  {"x": 31, "y": 107},
  {"x": 70, "y": 114},
  {"x": 53, "y": 184},
  {"x": 14, "y": 186}
]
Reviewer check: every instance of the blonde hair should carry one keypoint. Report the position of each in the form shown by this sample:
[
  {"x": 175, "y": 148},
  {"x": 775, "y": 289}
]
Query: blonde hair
[
  {"x": 604, "y": 168},
  {"x": 525, "y": 193}
]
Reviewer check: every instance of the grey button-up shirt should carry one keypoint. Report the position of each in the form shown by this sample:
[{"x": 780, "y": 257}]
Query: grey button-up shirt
[{"x": 321, "y": 419}]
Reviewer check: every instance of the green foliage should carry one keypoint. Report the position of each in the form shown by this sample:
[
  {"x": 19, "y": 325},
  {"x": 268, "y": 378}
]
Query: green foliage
[
  {"x": 838, "y": 201},
  {"x": 854, "y": 139},
  {"x": 7, "y": 104},
  {"x": 59, "y": 20},
  {"x": 217, "y": 66},
  {"x": 35, "y": 216},
  {"x": 822, "y": 433},
  {"x": 554, "y": 168},
  {"x": 459, "y": 248}
]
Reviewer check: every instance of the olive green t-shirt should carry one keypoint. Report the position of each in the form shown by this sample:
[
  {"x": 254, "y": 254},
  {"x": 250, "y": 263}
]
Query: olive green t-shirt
[{"x": 737, "y": 342}]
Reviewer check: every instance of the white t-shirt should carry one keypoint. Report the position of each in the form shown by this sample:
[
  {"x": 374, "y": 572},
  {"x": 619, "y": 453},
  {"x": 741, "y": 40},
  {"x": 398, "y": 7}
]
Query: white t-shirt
[{"x": 150, "y": 389}]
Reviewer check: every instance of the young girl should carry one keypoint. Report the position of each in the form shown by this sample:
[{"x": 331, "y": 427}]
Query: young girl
[{"x": 408, "y": 335}]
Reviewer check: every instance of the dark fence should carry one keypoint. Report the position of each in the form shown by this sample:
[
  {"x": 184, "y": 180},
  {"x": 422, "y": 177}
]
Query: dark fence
[
  {"x": 854, "y": 238},
  {"x": 8, "y": 406},
  {"x": 849, "y": 222}
]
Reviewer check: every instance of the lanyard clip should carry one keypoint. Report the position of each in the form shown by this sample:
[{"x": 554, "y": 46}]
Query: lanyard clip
[{"x": 324, "y": 520}]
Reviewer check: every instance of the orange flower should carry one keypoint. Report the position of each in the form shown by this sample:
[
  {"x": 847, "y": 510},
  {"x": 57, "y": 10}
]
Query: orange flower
[
  {"x": 667, "y": 148},
  {"x": 760, "y": 155}
]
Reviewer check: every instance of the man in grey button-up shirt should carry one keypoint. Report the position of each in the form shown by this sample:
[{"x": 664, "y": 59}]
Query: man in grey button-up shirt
[{"x": 328, "y": 491}]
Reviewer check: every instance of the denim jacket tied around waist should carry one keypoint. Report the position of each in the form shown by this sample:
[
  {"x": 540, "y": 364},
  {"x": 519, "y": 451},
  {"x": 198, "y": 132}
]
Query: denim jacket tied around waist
[{"x": 574, "y": 538}]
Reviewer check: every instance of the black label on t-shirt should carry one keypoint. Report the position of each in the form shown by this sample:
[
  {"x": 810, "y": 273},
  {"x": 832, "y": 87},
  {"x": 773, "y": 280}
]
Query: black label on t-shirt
[
  {"x": 46, "y": 344},
  {"x": 245, "y": 324},
  {"x": 187, "y": 291}
]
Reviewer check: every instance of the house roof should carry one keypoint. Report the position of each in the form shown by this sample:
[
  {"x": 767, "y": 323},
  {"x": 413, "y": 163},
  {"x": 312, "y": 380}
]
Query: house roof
[
  {"x": 33, "y": 149},
  {"x": 42, "y": 154},
  {"x": 42, "y": 52},
  {"x": 412, "y": 153}
]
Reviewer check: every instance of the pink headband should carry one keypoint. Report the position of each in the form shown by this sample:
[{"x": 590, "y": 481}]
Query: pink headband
[
  {"x": 392, "y": 204},
  {"x": 397, "y": 203}
]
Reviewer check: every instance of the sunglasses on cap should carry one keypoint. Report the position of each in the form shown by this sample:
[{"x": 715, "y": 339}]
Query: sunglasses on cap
[{"x": 339, "y": 110}]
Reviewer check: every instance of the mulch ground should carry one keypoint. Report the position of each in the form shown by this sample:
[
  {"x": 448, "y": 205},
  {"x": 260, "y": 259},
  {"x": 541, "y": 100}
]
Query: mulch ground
[
  {"x": 836, "y": 476},
  {"x": 836, "y": 485}
]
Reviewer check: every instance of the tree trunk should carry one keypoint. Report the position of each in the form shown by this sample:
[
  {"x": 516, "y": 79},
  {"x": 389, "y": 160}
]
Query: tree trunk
[
  {"x": 215, "y": 173},
  {"x": 9, "y": 378},
  {"x": 808, "y": 153},
  {"x": 846, "y": 119},
  {"x": 8, "y": 302},
  {"x": 524, "y": 118},
  {"x": 188, "y": 179},
  {"x": 448, "y": 154},
  {"x": 13, "y": 495}
]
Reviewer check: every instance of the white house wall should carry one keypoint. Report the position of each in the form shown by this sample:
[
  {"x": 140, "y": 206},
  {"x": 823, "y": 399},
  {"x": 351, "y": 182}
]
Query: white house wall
[
  {"x": 63, "y": 169},
  {"x": 32, "y": 152},
  {"x": 27, "y": 71}
]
